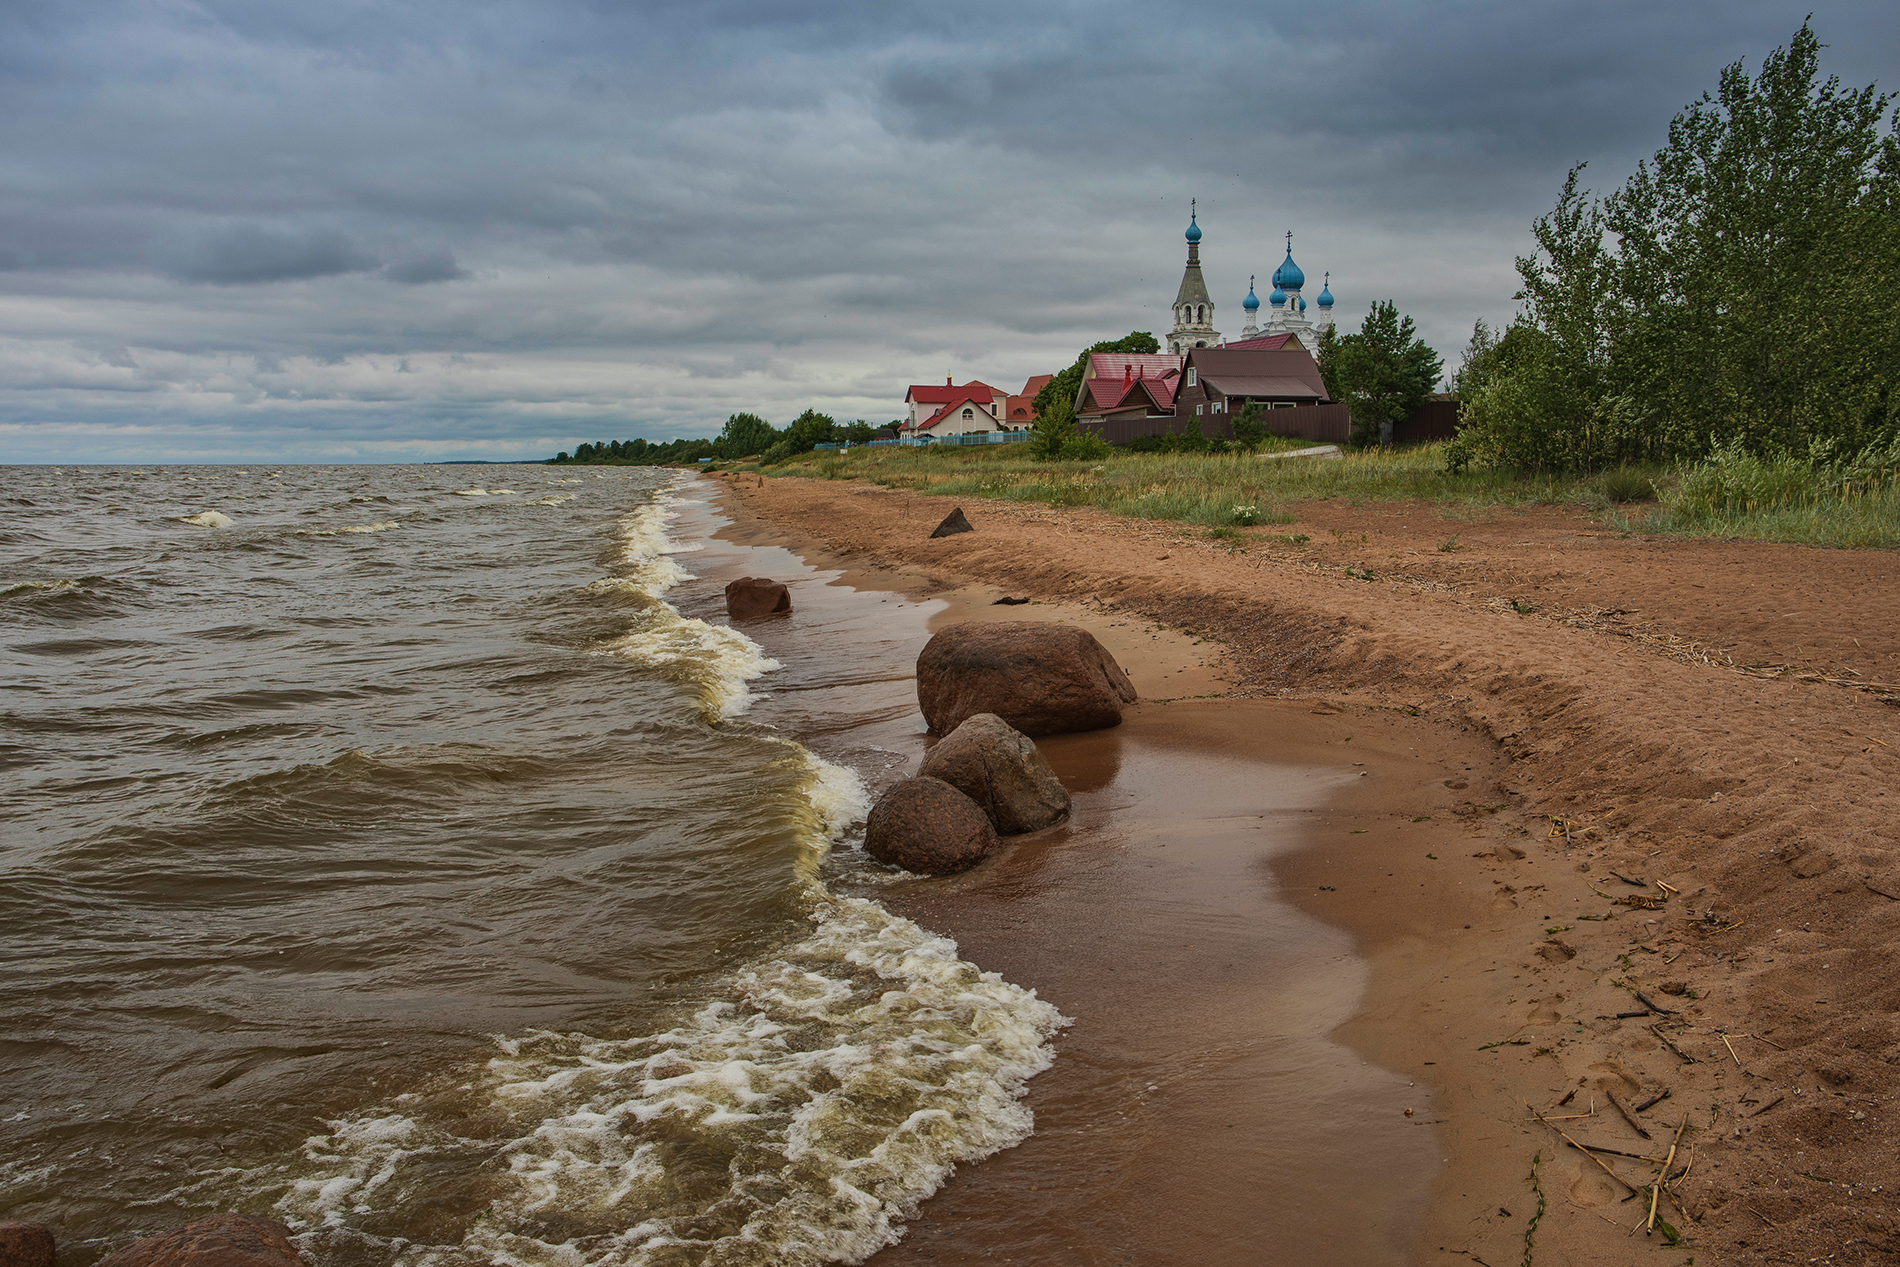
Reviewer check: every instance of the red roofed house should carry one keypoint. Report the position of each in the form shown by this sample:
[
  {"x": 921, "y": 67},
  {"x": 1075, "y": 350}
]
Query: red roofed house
[
  {"x": 950, "y": 410},
  {"x": 1127, "y": 387},
  {"x": 1021, "y": 410},
  {"x": 976, "y": 406}
]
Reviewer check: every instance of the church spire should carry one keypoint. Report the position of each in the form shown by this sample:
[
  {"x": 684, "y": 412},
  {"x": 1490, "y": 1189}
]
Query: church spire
[{"x": 1193, "y": 309}]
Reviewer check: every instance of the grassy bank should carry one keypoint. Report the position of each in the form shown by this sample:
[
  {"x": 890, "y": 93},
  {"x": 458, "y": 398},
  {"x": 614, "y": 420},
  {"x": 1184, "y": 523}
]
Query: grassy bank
[
  {"x": 1208, "y": 490},
  {"x": 1224, "y": 490}
]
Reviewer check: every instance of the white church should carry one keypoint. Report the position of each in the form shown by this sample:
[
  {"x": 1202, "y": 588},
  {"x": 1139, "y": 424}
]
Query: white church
[{"x": 1287, "y": 323}]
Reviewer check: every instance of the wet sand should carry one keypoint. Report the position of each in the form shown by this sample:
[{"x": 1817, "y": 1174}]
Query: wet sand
[{"x": 1201, "y": 1109}]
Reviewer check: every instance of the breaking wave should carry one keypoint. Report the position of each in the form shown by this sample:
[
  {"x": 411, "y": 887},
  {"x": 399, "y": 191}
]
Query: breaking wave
[{"x": 797, "y": 1114}]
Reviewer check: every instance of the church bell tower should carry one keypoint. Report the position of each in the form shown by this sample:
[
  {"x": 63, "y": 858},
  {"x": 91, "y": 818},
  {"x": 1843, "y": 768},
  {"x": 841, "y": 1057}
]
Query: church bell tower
[{"x": 1193, "y": 310}]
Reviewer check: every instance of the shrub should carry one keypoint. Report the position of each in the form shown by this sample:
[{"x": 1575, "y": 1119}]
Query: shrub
[{"x": 1626, "y": 485}]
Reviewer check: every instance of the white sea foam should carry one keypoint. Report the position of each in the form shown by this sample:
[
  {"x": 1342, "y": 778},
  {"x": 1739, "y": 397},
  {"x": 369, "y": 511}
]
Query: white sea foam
[
  {"x": 207, "y": 519},
  {"x": 555, "y": 500},
  {"x": 797, "y": 1116},
  {"x": 484, "y": 492},
  {"x": 718, "y": 661},
  {"x": 839, "y": 1082},
  {"x": 384, "y": 526}
]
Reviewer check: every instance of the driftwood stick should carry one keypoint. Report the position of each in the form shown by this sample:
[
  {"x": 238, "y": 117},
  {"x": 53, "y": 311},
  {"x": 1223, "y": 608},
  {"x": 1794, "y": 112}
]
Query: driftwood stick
[
  {"x": 1645, "y": 1001},
  {"x": 1598, "y": 1160},
  {"x": 1771, "y": 1104},
  {"x": 1568, "y": 1097},
  {"x": 1641, "y": 884},
  {"x": 1627, "y": 1115},
  {"x": 1664, "y": 1040},
  {"x": 1653, "y": 1100},
  {"x": 1655, "y": 1189},
  {"x": 1731, "y": 1050}
]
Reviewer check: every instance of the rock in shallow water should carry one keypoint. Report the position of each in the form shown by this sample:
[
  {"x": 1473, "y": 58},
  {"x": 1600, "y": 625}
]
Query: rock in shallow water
[
  {"x": 25, "y": 1245},
  {"x": 751, "y": 597},
  {"x": 999, "y": 768},
  {"x": 925, "y": 825},
  {"x": 1041, "y": 677},
  {"x": 229, "y": 1240}
]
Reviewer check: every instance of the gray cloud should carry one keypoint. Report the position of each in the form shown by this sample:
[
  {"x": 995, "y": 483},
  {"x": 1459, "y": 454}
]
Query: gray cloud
[
  {"x": 244, "y": 253},
  {"x": 419, "y": 267},
  {"x": 225, "y": 229}
]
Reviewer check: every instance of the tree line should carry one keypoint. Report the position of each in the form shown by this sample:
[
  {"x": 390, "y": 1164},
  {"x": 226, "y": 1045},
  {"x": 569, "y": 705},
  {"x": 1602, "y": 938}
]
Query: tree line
[
  {"x": 1740, "y": 293},
  {"x": 744, "y": 435}
]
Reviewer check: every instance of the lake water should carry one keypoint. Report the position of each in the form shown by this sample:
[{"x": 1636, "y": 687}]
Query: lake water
[{"x": 402, "y": 852}]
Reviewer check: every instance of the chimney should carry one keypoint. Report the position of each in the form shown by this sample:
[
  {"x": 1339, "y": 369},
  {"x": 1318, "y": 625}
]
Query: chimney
[{"x": 948, "y": 380}]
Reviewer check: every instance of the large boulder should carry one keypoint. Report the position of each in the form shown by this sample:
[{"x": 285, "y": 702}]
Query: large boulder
[
  {"x": 229, "y": 1240},
  {"x": 751, "y": 597},
  {"x": 25, "y": 1245},
  {"x": 998, "y": 767},
  {"x": 1041, "y": 677},
  {"x": 925, "y": 825}
]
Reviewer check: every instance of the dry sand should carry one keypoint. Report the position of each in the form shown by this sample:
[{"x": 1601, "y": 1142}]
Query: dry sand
[{"x": 1542, "y": 688}]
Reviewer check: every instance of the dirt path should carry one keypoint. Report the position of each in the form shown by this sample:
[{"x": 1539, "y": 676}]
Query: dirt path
[{"x": 1635, "y": 745}]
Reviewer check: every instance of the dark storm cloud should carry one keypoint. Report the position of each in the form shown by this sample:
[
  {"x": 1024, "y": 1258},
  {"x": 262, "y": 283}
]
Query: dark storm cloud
[{"x": 257, "y": 228}]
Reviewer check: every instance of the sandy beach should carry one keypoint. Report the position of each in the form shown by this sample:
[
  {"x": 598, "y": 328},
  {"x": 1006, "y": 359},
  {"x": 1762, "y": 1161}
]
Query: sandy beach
[{"x": 1604, "y": 819}]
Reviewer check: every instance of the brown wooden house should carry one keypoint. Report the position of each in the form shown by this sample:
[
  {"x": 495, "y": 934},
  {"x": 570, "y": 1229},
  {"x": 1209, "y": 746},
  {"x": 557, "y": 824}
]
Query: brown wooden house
[{"x": 1217, "y": 383}]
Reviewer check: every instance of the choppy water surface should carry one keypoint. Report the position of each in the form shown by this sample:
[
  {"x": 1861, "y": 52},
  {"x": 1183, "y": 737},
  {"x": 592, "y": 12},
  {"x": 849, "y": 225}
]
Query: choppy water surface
[{"x": 384, "y": 848}]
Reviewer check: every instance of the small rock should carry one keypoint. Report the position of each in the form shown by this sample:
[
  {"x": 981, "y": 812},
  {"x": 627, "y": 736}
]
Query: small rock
[
  {"x": 999, "y": 768},
  {"x": 229, "y": 1240},
  {"x": 1674, "y": 987},
  {"x": 751, "y": 597},
  {"x": 26, "y": 1245},
  {"x": 1508, "y": 853},
  {"x": 1041, "y": 677},
  {"x": 1009, "y": 602},
  {"x": 927, "y": 826},
  {"x": 952, "y": 524}
]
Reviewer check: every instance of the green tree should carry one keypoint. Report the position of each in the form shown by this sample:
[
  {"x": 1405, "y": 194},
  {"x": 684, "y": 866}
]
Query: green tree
[
  {"x": 1249, "y": 431},
  {"x": 1479, "y": 361},
  {"x": 1054, "y": 427},
  {"x": 1383, "y": 373},
  {"x": 745, "y": 435},
  {"x": 860, "y": 432},
  {"x": 1068, "y": 382},
  {"x": 1738, "y": 290},
  {"x": 810, "y": 429},
  {"x": 1756, "y": 261}
]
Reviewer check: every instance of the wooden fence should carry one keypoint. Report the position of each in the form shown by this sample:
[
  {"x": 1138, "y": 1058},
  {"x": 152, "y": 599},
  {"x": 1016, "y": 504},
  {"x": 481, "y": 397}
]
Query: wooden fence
[{"x": 1322, "y": 424}]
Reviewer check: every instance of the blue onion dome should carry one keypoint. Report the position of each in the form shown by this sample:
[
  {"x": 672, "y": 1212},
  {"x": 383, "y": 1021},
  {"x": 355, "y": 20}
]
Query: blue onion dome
[
  {"x": 1326, "y": 292},
  {"x": 1194, "y": 228},
  {"x": 1252, "y": 302},
  {"x": 1289, "y": 274},
  {"x": 1302, "y": 305},
  {"x": 1277, "y": 298}
]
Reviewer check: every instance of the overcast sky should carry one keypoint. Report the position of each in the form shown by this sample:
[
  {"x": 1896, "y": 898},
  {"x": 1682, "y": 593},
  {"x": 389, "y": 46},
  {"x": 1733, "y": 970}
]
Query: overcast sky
[{"x": 256, "y": 230}]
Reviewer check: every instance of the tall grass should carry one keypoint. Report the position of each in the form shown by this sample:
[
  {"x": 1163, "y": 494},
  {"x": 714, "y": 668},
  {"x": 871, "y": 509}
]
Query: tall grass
[
  {"x": 1821, "y": 500},
  {"x": 1210, "y": 490}
]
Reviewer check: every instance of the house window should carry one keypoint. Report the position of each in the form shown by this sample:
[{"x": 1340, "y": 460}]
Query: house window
[{"x": 967, "y": 415}]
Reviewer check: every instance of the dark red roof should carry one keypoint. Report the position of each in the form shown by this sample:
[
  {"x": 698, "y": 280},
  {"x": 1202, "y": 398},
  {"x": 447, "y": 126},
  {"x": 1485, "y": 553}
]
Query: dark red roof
[
  {"x": 1036, "y": 383},
  {"x": 925, "y": 394},
  {"x": 1265, "y": 343}
]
